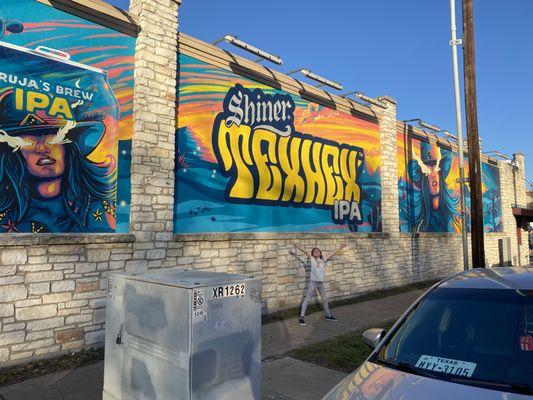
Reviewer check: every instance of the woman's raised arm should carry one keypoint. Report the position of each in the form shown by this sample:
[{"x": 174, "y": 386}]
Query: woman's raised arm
[
  {"x": 328, "y": 256},
  {"x": 299, "y": 248}
]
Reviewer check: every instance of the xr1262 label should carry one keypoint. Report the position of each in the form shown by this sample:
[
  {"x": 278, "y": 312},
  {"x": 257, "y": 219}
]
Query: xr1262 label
[{"x": 236, "y": 290}]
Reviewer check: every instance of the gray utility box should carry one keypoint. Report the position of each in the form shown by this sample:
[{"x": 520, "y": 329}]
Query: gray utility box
[{"x": 176, "y": 335}]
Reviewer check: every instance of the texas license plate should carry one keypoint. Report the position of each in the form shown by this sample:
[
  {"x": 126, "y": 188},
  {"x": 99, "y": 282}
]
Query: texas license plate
[
  {"x": 446, "y": 365},
  {"x": 236, "y": 290}
]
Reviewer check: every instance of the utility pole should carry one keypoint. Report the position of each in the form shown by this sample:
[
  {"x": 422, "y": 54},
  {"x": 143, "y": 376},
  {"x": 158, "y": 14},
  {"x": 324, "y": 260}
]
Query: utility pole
[
  {"x": 476, "y": 201},
  {"x": 454, "y": 42}
]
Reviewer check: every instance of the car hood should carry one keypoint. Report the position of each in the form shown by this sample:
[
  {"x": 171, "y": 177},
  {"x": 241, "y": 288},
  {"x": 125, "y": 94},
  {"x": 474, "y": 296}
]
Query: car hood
[{"x": 375, "y": 382}]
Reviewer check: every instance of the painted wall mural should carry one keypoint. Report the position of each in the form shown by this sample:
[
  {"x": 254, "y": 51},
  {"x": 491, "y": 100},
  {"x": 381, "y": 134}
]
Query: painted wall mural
[
  {"x": 66, "y": 89},
  {"x": 492, "y": 202},
  {"x": 251, "y": 158},
  {"x": 429, "y": 192}
]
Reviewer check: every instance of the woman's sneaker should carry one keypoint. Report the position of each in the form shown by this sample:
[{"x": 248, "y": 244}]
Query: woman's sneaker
[
  {"x": 301, "y": 320},
  {"x": 331, "y": 318}
]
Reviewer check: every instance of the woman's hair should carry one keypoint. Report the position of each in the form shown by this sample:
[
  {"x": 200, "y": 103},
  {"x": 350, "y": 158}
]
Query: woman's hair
[
  {"x": 424, "y": 218},
  {"x": 313, "y": 250},
  {"x": 83, "y": 182}
]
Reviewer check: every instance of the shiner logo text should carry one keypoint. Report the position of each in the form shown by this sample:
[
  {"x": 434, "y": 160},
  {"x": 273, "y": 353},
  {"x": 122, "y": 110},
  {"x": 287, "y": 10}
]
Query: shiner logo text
[
  {"x": 269, "y": 163},
  {"x": 259, "y": 110}
]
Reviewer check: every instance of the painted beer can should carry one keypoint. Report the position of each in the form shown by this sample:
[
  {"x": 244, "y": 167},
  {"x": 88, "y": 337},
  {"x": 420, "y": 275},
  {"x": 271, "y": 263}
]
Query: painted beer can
[{"x": 58, "y": 143}]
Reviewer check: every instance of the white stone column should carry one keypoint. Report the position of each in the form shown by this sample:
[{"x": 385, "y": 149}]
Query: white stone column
[
  {"x": 520, "y": 180},
  {"x": 390, "y": 214},
  {"x": 520, "y": 200},
  {"x": 508, "y": 195},
  {"x": 154, "y": 110}
]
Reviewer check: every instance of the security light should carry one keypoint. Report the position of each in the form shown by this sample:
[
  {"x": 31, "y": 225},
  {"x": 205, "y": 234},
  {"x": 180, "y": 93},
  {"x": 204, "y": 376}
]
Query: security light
[
  {"x": 424, "y": 124},
  {"x": 511, "y": 160},
  {"x": 370, "y": 100},
  {"x": 231, "y": 39},
  {"x": 496, "y": 153},
  {"x": 450, "y": 135},
  {"x": 320, "y": 79},
  {"x": 431, "y": 127}
]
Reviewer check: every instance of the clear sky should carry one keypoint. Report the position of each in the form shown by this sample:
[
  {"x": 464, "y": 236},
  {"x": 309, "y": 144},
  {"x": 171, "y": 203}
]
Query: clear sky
[{"x": 398, "y": 48}]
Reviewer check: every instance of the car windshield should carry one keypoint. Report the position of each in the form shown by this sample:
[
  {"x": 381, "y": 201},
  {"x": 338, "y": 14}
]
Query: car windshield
[{"x": 471, "y": 336}]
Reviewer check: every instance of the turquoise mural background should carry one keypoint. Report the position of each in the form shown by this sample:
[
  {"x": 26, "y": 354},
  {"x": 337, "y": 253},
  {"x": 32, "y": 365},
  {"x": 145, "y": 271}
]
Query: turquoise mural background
[{"x": 429, "y": 197}]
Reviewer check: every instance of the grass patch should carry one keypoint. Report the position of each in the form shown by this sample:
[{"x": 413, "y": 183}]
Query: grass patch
[
  {"x": 378, "y": 294},
  {"x": 343, "y": 353},
  {"x": 18, "y": 373}
]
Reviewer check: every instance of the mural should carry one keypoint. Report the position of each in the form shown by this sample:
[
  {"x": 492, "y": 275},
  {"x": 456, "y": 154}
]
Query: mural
[
  {"x": 251, "y": 158},
  {"x": 492, "y": 203},
  {"x": 429, "y": 194},
  {"x": 66, "y": 89}
]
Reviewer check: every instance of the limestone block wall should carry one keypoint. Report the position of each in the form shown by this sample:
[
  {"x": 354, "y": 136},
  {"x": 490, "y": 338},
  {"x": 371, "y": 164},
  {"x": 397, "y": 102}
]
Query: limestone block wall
[
  {"x": 53, "y": 288},
  {"x": 513, "y": 192},
  {"x": 390, "y": 213},
  {"x": 52, "y": 291},
  {"x": 520, "y": 186},
  {"x": 369, "y": 262}
]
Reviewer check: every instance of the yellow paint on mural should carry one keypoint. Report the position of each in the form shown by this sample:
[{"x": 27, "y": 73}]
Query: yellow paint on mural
[{"x": 296, "y": 168}]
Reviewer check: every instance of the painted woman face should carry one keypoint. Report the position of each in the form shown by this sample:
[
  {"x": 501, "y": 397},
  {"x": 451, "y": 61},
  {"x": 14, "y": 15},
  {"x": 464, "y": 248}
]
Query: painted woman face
[
  {"x": 44, "y": 160},
  {"x": 434, "y": 181}
]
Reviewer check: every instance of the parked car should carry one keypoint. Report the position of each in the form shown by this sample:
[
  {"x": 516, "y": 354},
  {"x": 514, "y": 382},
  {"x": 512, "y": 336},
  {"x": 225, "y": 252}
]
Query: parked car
[{"x": 468, "y": 337}]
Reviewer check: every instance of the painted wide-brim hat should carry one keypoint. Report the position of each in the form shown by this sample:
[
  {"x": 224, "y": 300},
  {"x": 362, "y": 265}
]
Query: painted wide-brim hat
[
  {"x": 429, "y": 153},
  {"x": 15, "y": 123}
]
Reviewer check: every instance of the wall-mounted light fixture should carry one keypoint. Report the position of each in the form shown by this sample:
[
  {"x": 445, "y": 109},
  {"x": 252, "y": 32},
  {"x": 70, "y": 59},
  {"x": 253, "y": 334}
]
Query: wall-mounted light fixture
[
  {"x": 496, "y": 153},
  {"x": 263, "y": 55},
  {"x": 511, "y": 160},
  {"x": 450, "y": 135},
  {"x": 377, "y": 102},
  {"x": 317, "y": 78},
  {"x": 423, "y": 124}
]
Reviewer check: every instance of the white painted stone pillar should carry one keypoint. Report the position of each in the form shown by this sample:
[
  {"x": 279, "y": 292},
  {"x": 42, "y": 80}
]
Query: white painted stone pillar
[
  {"x": 390, "y": 214},
  {"x": 513, "y": 192},
  {"x": 154, "y": 110},
  {"x": 520, "y": 180},
  {"x": 507, "y": 201},
  {"x": 520, "y": 200}
]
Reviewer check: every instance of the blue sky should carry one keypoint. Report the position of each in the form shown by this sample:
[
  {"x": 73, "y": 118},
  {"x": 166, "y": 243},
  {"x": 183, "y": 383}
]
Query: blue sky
[{"x": 398, "y": 48}]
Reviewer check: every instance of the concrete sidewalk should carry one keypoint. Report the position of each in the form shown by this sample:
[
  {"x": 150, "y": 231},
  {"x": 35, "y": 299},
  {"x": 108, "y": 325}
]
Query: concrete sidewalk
[
  {"x": 282, "y": 336},
  {"x": 284, "y": 378}
]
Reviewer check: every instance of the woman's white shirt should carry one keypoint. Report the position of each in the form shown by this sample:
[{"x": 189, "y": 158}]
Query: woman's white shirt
[{"x": 318, "y": 269}]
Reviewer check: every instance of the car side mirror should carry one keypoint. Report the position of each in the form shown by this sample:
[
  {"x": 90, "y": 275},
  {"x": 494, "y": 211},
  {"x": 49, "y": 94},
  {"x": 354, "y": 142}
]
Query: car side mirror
[{"x": 372, "y": 337}]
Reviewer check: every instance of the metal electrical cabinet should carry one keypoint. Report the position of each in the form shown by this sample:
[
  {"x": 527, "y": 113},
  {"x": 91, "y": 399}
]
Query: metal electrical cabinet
[{"x": 187, "y": 335}]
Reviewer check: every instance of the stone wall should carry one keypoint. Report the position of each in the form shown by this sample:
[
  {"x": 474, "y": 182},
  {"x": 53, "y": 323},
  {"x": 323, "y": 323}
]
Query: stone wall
[
  {"x": 52, "y": 287},
  {"x": 520, "y": 188},
  {"x": 513, "y": 192},
  {"x": 369, "y": 262},
  {"x": 52, "y": 291}
]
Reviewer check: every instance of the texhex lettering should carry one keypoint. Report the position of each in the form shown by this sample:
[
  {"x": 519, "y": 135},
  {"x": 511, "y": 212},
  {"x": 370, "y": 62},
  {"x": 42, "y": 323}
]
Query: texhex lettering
[{"x": 268, "y": 162}]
